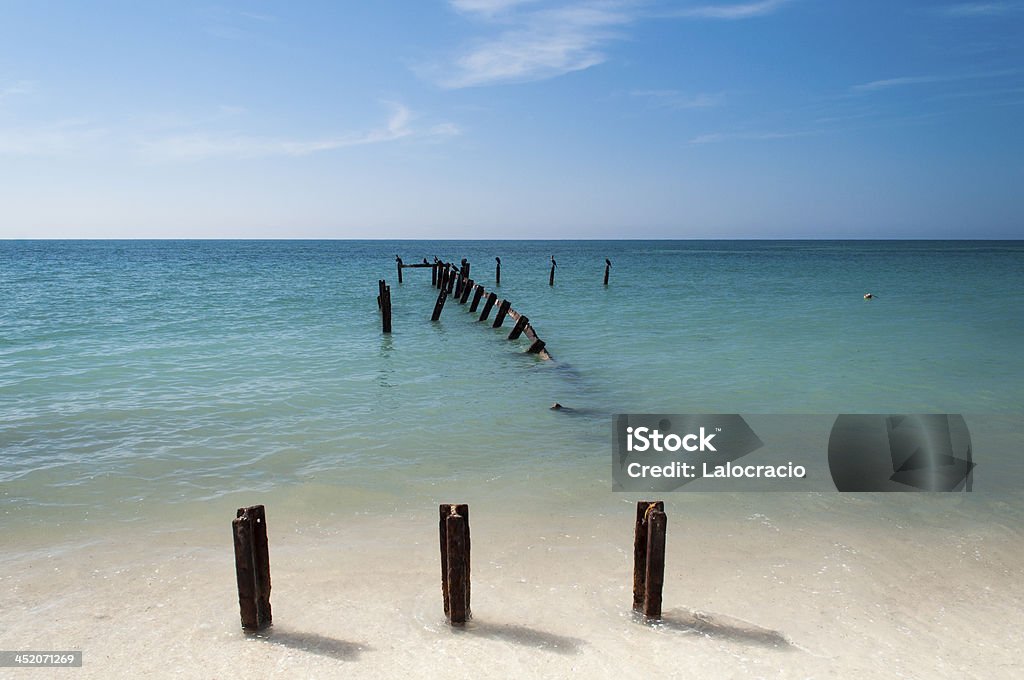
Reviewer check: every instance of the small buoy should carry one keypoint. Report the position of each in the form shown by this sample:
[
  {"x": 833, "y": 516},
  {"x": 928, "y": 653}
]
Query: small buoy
[{"x": 869, "y": 296}]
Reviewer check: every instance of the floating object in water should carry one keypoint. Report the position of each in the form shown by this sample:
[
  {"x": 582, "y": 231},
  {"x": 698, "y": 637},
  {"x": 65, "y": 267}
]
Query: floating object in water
[
  {"x": 869, "y": 296},
  {"x": 556, "y": 407}
]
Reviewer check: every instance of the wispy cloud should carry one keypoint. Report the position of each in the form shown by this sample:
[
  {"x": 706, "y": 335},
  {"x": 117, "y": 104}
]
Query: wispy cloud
[
  {"x": 902, "y": 81},
  {"x": 536, "y": 40},
  {"x": 674, "y": 99},
  {"x": 742, "y": 10},
  {"x": 16, "y": 88},
  {"x": 56, "y": 138},
  {"x": 203, "y": 145},
  {"x": 540, "y": 43},
  {"x": 713, "y": 137},
  {"x": 979, "y": 9}
]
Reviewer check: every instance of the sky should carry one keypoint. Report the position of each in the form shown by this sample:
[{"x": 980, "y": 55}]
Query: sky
[{"x": 512, "y": 119}]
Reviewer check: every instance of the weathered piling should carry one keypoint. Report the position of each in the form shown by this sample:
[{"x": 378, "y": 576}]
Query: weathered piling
[
  {"x": 439, "y": 305},
  {"x": 453, "y": 529},
  {"x": 551, "y": 279},
  {"x": 459, "y": 280},
  {"x": 399, "y": 261},
  {"x": 384, "y": 302},
  {"x": 477, "y": 294},
  {"x": 465, "y": 291},
  {"x": 499, "y": 316},
  {"x": 649, "y": 557},
  {"x": 521, "y": 323},
  {"x": 497, "y": 272},
  {"x": 607, "y": 269},
  {"x": 536, "y": 344},
  {"x": 491, "y": 298},
  {"x": 433, "y": 275},
  {"x": 252, "y": 567}
]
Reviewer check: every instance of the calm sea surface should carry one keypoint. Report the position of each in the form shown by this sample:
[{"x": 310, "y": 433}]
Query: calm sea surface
[{"x": 135, "y": 376}]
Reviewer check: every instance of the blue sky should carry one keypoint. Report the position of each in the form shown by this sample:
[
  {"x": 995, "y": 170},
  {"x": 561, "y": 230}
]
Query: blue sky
[{"x": 512, "y": 118}]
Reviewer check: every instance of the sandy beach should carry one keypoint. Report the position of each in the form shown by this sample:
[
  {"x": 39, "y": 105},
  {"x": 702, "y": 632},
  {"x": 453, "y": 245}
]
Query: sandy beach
[{"x": 786, "y": 586}]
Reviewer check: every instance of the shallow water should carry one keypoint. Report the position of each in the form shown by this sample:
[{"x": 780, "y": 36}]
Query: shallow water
[{"x": 149, "y": 388}]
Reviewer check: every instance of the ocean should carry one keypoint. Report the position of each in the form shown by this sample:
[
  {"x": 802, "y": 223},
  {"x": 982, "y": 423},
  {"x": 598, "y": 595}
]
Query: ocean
[{"x": 148, "y": 388}]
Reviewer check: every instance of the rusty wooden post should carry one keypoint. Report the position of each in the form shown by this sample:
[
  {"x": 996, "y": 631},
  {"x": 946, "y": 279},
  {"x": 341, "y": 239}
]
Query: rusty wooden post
[
  {"x": 551, "y": 279},
  {"x": 517, "y": 330},
  {"x": 433, "y": 275},
  {"x": 607, "y": 269},
  {"x": 380, "y": 293},
  {"x": 656, "y": 523},
  {"x": 491, "y": 297},
  {"x": 386, "y": 309},
  {"x": 460, "y": 281},
  {"x": 439, "y": 305},
  {"x": 399, "y": 261},
  {"x": 477, "y": 294},
  {"x": 641, "y": 533},
  {"x": 252, "y": 567},
  {"x": 455, "y": 561},
  {"x": 465, "y": 291},
  {"x": 497, "y": 272},
  {"x": 499, "y": 316}
]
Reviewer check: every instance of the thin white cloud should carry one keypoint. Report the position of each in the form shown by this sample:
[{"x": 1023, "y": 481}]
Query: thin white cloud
[
  {"x": 730, "y": 11},
  {"x": 979, "y": 9},
  {"x": 902, "y": 81},
  {"x": 540, "y": 44},
  {"x": 202, "y": 146},
  {"x": 16, "y": 88},
  {"x": 713, "y": 137},
  {"x": 57, "y": 138},
  {"x": 537, "y": 41},
  {"x": 674, "y": 99}
]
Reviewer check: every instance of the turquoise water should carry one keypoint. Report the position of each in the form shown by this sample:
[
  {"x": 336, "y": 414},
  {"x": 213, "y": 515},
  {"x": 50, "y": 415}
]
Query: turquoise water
[{"x": 136, "y": 376}]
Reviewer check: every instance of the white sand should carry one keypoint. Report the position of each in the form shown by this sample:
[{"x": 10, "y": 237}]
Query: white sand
[{"x": 795, "y": 586}]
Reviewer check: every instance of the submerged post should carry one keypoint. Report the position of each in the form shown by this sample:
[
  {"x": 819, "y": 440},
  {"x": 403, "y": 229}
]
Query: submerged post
[
  {"x": 497, "y": 272},
  {"x": 477, "y": 294},
  {"x": 517, "y": 330},
  {"x": 551, "y": 279},
  {"x": 465, "y": 291},
  {"x": 386, "y": 309},
  {"x": 433, "y": 275},
  {"x": 491, "y": 298},
  {"x": 455, "y": 563},
  {"x": 252, "y": 567},
  {"x": 607, "y": 269},
  {"x": 399, "y": 261},
  {"x": 499, "y": 316},
  {"x": 649, "y": 557},
  {"x": 439, "y": 305}
]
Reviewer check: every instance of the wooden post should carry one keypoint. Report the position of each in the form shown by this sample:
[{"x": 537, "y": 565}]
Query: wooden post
[
  {"x": 607, "y": 269},
  {"x": 386, "y": 309},
  {"x": 455, "y": 561},
  {"x": 380, "y": 293},
  {"x": 517, "y": 330},
  {"x": 499, "y": 317},
  {"x": 497, "y": 272},
  {"x": 451, "y": 278},
  {"x": 252, "y": 567},
  {"x": 641, "y": 534},
  {"x": 439, "y": 305},
  {"x": 433, "y": 275},
  {"x": 656, "y": 523},
  {"x": 477, "y": 294},
  {"x": 459, "y": 281},
  {"x": 491, "y": 297},
  {"x": 465, "y": 291},
  {"x": 399, "y": 260},
  {"x": 551, "y": 279}
]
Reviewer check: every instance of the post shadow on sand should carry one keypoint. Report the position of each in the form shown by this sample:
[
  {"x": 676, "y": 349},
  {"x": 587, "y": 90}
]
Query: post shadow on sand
[
  {"x": 720, "y": 627},
  {"x": 521, "y": 635},
  {"x": 312, "y": 643}
]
